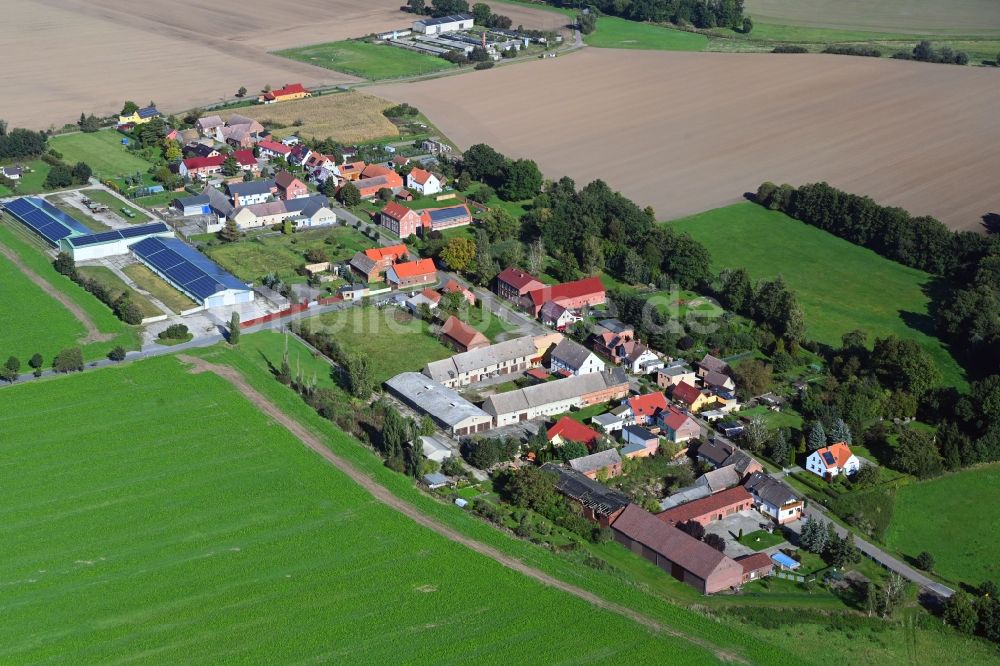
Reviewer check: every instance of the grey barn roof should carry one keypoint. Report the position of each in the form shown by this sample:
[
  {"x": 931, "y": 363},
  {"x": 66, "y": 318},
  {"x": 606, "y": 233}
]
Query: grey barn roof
[
  {"x": 586, "y": 491},
  {"x": 478, "y": 359},
  {"x": 445, "y": 19},
  {"x": 570, "y": 353},
  {"x": 770, "y": 490},
  {"x": 596, "y": 461},
  {"x": 554, "y": 391},
  {"x": 443, "y": 404},
  {"x": 253, "y": 187}
]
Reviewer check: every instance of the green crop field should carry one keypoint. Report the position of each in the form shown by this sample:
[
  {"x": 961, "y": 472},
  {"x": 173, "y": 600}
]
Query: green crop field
[
  {"x": 369, "y": 61},
  {"x": 103, "y": 151},
  {"x": 949, "y": 517},
  {"x": 381, "y": 334},
  {"x": 34, "y": 322},
  {"x": 841, "y": 286},
  {"x": 617, "y": 33},
  {"x": 251, "y": 259},
  {"x": 181, "y": 525}
]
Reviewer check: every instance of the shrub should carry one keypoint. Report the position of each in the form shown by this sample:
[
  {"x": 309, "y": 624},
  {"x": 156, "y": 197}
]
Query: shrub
[
  {"x": 925, "y": 561},
  {"x": 174, "y": 332},
  {"x": 68, "y": 360},
  {"x": 789, "y": 48},
  {"x": 484, "y": 65}
]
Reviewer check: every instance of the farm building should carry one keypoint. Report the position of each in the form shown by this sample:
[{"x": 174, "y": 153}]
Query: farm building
[
  {"x": 711, "y": 508},
  {"x": 603, "y": 463},
  {"x": 640, "y": 443},
  {"x": 313, "y": 211},
  {"x": 681, "y": 555},
  {"x": 400, "y": 220},
  {"x": 411, "y": 273},
  {"x": 462, "y": 337},
  {"x": 573, "y": 295},
  {"x": 449, "y": 410},
  {"x": 773, "y": 498},
  {"x": 436, "y": 26},
  {"x": 254, "y": 192},
  {"x": 503, "y": 358},
  {"x": 436, "y": 219},
  {"x": 556, "y": 397},
  {"x": 287, "y": 93},
  {"x": 512, "y": 284},
  {"x": 45, "y": 219},
  {"x": 600, "y": 503},
  {"x": 110, "y": 243},
  {"x": 572, "y": 358},
  {"x": 205, "y": 167},
  {"x": 269, "y": 149},
  {"x": 191, "y": 272}
]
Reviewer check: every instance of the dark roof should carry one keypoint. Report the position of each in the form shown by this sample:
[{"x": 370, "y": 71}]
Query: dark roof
[
  {"x": 591, "y": 494},
  {"x": 196, "y": 200},
  {"x": 641, "y": 432},
  {"x": 770, "y": 490},
  {"x": 740, "y": 460},
  {"x": 516, "y": 278},
  {"x": 307, "y": 206},
  {"x": 715, "y": 452},
  {"x": 446, "y": 19},
  {"x": 704, "y": 506},
  {"x": 713, "y": 364},
  {"x": 571, "y": 353},
  {"x": 755, "y": 562},
  {"x": 253, "y": 187},
  {"x": 679, "y": 547},
  {"x": 284, "y": 179},
  {"x": 615, "y": 325}
]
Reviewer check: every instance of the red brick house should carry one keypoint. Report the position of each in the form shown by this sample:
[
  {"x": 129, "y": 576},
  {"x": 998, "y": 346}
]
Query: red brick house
[
  {"x": 685, "y": 558},
  {"x": 711, "y": 508},
  {"x": 373, "y": 262},
  {"x": 756, "y": 566},
  {"x": 411, "y": 274},
  {"x": 573, "y": 295},
  {"x": 567, "y": 429},
  {"x": 462, "y": 337},
  {"x": 513, "y": 284},
  {"x": 399, "y": 219},
  {"x": 677, "y": 426},
  {"x": 289, "y": 187}
]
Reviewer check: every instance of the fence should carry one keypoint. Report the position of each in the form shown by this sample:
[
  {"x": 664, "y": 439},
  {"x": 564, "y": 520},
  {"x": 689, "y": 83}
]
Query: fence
[{"x": 294, "y": 309}]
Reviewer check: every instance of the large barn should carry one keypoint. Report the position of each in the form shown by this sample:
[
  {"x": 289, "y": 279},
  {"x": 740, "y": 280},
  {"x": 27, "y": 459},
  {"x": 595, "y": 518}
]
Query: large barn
[{"x": 191, "y": 272}]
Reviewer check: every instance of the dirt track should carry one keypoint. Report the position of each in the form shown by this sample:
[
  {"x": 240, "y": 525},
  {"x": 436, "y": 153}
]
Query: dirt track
[
  {"x": 381, "y": 494},
  {"x": 93, "y": 333},
  {"x": 685, "y": 132}
]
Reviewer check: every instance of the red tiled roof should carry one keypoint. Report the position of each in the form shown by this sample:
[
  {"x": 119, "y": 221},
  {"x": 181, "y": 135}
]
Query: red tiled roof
[
  {"x": 415, "y": 268},
  {"x": 420, "y": 176},
  {"x": 289, "y": 89},
  {"x": 244, "y": 157},
  {"x": 684, "y": 392},
  {"x": 517, "y": 278},
  {"x": 431, "y": 295},
  {"x": 392, "y": 252},
  {"x": 647, "y": 405},
  {"x": 204, "y": 162},
  {"x": 395, "y": 211},
  {"x": 462, "y": 333},
  {"x": 755, "y": 562},
  {"x": 376, "y": 170},
  {"x": 538, "y": 373},
  {"x": 707, "y": 505},
  {"x": 573, "y": 431},
  {"x": 674, "y": 418},
  {"x": 841, "y": 454},
  {"x": 274, "y": 147},
  {"x": 586, "y": 287}
]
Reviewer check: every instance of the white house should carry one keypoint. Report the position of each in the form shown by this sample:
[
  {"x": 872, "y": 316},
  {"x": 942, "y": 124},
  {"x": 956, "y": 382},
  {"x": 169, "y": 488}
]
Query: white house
[
  {"x": 617, "y": 419},
  {"x": 773, "y": 498},
  {"x": 423, "y": 181},
  {"x": 434, "y": 26},
  {"x": 642, "y": 360},
  {"x": 832, "y": 460},
  {"x": 575, "y": 359}
]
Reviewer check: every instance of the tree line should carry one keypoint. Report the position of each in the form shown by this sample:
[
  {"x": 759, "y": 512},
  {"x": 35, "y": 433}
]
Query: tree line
[
  {"x": 123, "y": 307},
  {"x": 699, "y": 13}
]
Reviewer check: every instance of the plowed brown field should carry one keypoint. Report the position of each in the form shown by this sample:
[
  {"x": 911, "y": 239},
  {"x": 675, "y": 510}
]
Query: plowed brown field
[
  {"x": 684, "y": 132},
  {"x": 67, "y": 56}
]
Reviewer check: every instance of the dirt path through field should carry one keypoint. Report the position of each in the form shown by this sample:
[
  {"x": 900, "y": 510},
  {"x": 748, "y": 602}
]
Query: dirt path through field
[
  {"x": 93, "y": 333},
  {"x": 381, "y": 494}
]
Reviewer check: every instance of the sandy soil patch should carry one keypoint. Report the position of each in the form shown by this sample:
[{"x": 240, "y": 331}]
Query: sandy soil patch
[
  {"x": 346, "y": 117},
  {"x": 685, "y": 132}
]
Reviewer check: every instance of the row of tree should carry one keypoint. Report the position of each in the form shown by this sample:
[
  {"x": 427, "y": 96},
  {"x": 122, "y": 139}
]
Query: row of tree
[
  {"x": 975, "y": 612},
  {"x": 20, "y": 143},
  {"x": 699, "y": 13},
  {"x": 123, "y": 307}
]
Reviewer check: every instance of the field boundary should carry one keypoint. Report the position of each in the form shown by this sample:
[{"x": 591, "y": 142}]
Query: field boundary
[{"x": 383, "y": 495}]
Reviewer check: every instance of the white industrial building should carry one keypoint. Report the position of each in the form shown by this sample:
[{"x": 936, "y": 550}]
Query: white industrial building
[
  {"x": 110, "y": 243},
  {"x": 450, "y": 411},
  {"x": 435, "y": 26}
]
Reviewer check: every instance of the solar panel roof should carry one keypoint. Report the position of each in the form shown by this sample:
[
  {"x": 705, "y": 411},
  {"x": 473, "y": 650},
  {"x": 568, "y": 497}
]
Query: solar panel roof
[
  {"x": 828, "y": 457},
  {"x": 187, "y": 268},
  {"x": 119, "y": 234},
  {"x": 45, "y": 219}
]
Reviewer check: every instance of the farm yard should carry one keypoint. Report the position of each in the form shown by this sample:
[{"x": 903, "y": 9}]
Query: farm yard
[
  {"x": 785, "y": 118},
  {"x": 346, "y": 117},
  {"x": 369, "y": 61},
  {"x": 255, "y": 500},
  {"x": 945, "y": 516},
  {"x": 858, "y": 290},
  {"x": 37, "y": 322}
]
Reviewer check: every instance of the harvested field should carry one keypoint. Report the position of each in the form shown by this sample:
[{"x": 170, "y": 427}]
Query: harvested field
[
  {"x": 969, "y": 17},
  {"x": 684, "y": 132},
  {"x": 346, "y": 117}
]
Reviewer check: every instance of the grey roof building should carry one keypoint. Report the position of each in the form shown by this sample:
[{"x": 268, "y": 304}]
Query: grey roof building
[
  {"x": 557, "y": 396},
  {"x": 599, "y": 502},
  {"x": 595, "y": 462},
  {"x": 449, "y": 410},
  {"x": 572, "y": 357},
  {"x": 472, "y": 366}
]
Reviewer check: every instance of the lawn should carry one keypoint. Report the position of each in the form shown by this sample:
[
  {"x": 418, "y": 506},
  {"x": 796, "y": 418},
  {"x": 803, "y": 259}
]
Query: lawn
[
  {"x": 158, "y": 288},
  {"x": 35, "y": 322},
  {"x": 175, "y": 535},
  {"x": 786, "y": 418},
  {"x": 949, "y": 518},
  {"x": 32, "y": 181},
  {"x": 369, "y": 61},
  {"x": 761, "y": 539},
  {"x": 841, "y": 286},
  {"x": 117, "y": 286},
  {"x": 382, "y": 335},
  {"x": 116, "y": 205},
  {"x": 253, "y": 258},
  {"x": 103, "y": 151},
  {"x": 487, "y": 323},
  {"x": 618, "y": 33}
]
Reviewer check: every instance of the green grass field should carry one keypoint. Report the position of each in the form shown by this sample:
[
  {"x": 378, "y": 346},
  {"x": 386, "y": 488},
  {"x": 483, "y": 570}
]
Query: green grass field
[
  {"x": 116, "y": 205},
  {"x": 617, "y": 33},
  {"x": 103, "y": 151},
  {"x": 34, "y": 322},
  {"x": 158, "y": 288},
  {"x": 840, "y": 286},
  {"x": 171, "y": 534},
  {"x": 369, "y": 61},
  {"x": 32, "y": 182},
  {"x": 761, "y": 539},
  {"x": 949, "y": 517},
  {"x": 251, "y": 259},
  {"x": 117, "y": 286},
  {"x": 377, "y": 334}
]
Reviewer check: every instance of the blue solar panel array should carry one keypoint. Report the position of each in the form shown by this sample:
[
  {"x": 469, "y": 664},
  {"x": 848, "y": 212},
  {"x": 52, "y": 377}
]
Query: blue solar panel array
[
  {"x": 187, "y": 268},
  {"x": 442, "y": 215},
  {"x": 45, "y": 219},
  {"x": 119, "y": 234},
  {"x": 828, "y": 457}
]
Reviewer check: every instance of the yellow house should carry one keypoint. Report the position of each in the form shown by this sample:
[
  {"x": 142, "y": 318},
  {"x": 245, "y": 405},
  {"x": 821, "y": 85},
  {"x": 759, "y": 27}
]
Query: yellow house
[
  {"x": 288, "y": 93},
  {"x": 140, "y": 116}
]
